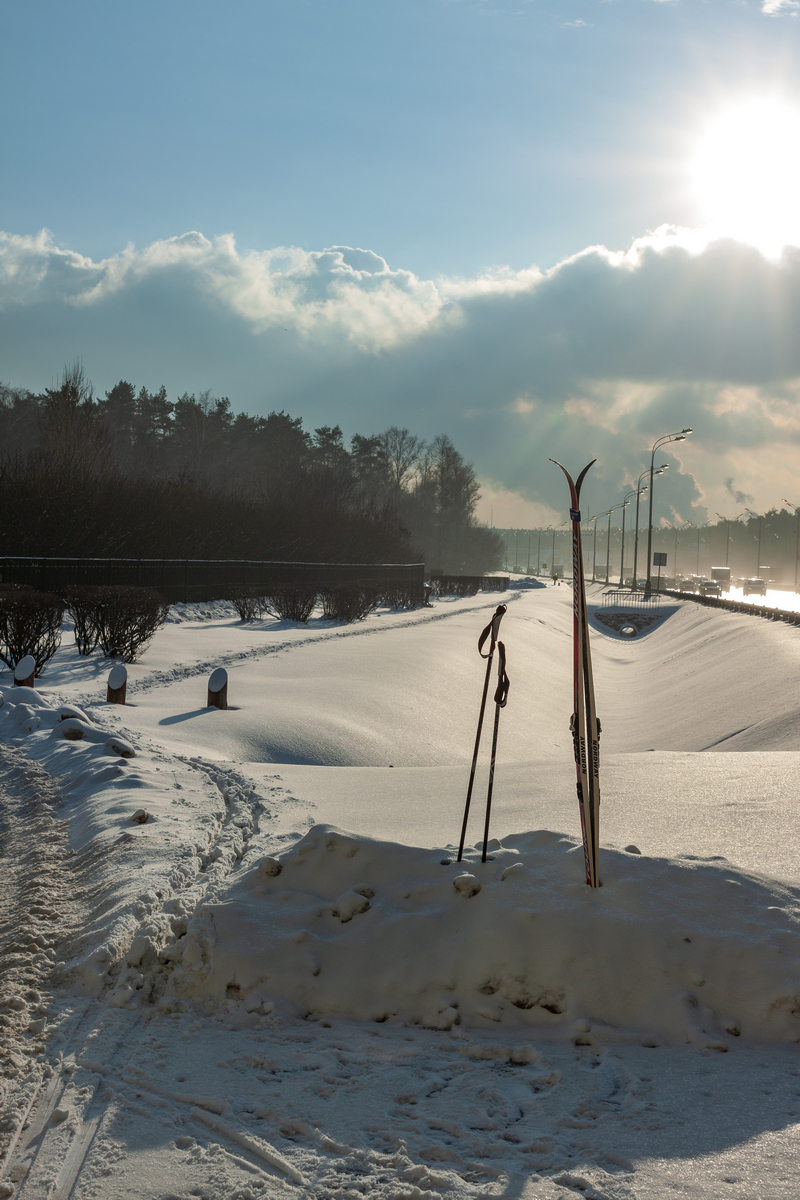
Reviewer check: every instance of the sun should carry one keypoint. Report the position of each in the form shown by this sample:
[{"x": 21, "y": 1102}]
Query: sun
[{"x": 746, "y": 174}]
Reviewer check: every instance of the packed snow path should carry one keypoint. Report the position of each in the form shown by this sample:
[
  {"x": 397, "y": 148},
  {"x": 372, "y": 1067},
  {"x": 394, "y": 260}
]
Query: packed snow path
[{"x": 130, "y": 1090}]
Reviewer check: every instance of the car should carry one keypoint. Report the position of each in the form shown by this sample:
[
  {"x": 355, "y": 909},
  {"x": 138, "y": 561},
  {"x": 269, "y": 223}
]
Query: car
[
  {"x": 710, "y": 587},
  {"x": 754, "y": 587}
]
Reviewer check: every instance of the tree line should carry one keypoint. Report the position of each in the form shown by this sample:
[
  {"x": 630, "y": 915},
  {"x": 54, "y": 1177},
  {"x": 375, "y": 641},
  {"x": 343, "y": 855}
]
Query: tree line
[{"x": 134, "y": 474}]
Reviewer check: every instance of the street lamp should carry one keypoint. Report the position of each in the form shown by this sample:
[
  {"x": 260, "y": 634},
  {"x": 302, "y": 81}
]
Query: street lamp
[
  {"x": 639, "y": 492},
  {"x": 678, "y": 528},
  {"x": 728, "y": 538},
  {"x": 699, "y": 528},
  {"x": 669, "y": 437},
  {"x": 594, "y": 552},
  {"x": 758, "y": 556},
  {"x": 626, "y": 499},
  {"x": 613, "y": 508},
  {"x": 796, "y": 537}
]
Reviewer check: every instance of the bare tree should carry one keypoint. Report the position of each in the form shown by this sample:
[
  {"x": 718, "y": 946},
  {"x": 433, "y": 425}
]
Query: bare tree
[{"x": 403, "y": 451}]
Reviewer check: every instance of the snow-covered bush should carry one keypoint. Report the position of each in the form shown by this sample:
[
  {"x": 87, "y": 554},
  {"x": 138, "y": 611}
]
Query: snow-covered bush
[
  {"x": 248, "y": 602},
  {"x": 127, "y": 618},
  {"x": 402, "y": 595},
  {"x": 350, "y": 602},
  {"x": 291, "y": 603},
  {"x": 30, "y": 623},
  {"x": 82, "y": 604},
  {"x": 456, "y": 585}
]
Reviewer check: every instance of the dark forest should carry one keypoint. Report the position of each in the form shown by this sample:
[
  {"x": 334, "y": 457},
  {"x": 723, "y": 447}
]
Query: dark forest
[{"x": 134, "y": 474}]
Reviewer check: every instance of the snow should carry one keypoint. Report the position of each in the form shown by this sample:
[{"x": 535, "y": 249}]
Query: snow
[
  {"x": 682, "y": 950},
  {"x": 234, "y": 964}
]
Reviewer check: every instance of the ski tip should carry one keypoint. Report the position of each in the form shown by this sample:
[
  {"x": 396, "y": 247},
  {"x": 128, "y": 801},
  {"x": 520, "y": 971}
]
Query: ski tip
[
  {"x": 563, "y": 468},
  {"x": 582, "y": 475}
]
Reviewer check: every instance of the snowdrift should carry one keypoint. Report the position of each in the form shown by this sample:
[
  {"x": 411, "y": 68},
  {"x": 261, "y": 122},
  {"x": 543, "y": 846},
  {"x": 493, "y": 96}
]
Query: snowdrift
[{"x": 675, "y": 950}]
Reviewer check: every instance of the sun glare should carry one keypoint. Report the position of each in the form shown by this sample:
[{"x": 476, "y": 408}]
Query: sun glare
[{"x": 746, "y": 174}]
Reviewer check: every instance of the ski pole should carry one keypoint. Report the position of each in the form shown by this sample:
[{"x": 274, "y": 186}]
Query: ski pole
[
  {"x": 500, "y": 701},
  {"x": 491, "y": 631}
]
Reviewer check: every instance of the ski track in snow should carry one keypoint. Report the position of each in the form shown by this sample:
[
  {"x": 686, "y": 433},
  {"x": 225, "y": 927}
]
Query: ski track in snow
[
  {"x": 160, "y": 678},
  {"x": 102, "y": 1100}
]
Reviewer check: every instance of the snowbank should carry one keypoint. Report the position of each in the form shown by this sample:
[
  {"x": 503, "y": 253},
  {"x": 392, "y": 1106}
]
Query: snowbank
[
  {"x": 140, "y": 828},
  {"x": 668, "y": 949}
]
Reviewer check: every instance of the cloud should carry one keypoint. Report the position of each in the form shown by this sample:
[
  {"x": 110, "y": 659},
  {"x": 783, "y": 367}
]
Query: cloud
[
  {"x": 599, "y": 355},
  {"x": 739, "y": 497},
  {"x": 775, "y": 7}
]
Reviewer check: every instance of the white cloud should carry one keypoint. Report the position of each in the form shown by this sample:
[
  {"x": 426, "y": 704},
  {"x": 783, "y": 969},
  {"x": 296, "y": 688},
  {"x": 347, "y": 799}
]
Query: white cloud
[
  {"x": 599, "y": 355},
  {"x": 775, "y": 7},
  {"x": 352, "y": 291}
]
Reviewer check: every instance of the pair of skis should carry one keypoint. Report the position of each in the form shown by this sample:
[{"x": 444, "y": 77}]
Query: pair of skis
[
  {"x": 584, "y": 725},
  {"x": 489, "y": 634}
]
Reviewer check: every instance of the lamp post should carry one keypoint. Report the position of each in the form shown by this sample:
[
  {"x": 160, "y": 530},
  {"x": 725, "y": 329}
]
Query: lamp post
[
  {"x": 678, "y": 528},
  {"x": 758, "y": 555},
  {"x": 594, "y": 552},
  {"x": 796, "y": 538},
  {"x": 613, "y": 508},
  {"x": 640, "y": 492},
  {"x": 538, "y": 552},
  {"x": 529, "y": 553},
  {"x": 699, "y": 529},
  {"x": 669, "y": 437},
  {"x": 728, "y": 533},
  {"x": 625, "y": 502}
]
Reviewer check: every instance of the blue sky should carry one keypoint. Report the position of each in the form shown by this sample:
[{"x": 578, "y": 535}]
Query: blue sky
[{"x": 462, "y": 143}]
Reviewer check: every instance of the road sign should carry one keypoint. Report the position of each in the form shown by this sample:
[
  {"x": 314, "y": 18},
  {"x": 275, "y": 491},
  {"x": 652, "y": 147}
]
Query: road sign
[{"x": 659, "y": 560}]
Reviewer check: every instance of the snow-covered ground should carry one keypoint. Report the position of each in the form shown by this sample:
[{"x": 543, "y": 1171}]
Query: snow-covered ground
[{"x": 238, "y": 959}]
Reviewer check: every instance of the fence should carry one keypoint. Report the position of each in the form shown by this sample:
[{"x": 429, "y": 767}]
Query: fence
[
  {"x": 468, "y": 585},
  {"x": 199, "y": 579},
  {"x": 623, "y": 598}
]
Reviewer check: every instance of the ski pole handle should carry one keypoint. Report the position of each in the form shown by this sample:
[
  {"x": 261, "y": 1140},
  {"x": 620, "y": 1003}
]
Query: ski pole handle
[
  {"x": 492, "y": 629},
  {"x": 503, "y": 682}
]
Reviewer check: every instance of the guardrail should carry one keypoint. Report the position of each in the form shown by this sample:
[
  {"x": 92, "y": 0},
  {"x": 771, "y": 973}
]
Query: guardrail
[
  {"x": 625, "y": 598},
  {"x": 753, "y": 610}
]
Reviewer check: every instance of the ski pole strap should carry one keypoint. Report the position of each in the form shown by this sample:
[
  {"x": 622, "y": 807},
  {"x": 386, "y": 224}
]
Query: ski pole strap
[
  {"x": 503, "y": 682},
  {"x": 492, "y": 629}
]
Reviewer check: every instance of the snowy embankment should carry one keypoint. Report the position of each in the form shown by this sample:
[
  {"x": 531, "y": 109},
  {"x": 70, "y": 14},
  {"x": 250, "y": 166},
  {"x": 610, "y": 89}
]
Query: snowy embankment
[
  {"x": 218, "y": 998},
  {"x": 342, "y": 926},
  {"x": 339, "y": 926}
]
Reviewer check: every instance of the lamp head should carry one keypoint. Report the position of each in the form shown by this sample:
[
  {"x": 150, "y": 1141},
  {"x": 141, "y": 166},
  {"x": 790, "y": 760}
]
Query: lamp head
[{"x": 687, "y": 431}]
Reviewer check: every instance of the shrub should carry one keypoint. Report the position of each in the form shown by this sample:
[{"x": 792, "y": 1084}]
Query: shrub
[
  {"x": 248, "y": 602},
  {"x": 350, "y": 602},
  {"x": 290, "y": 603},
  {"x": 456, "y": 585},
  {"x": 30, "y": 623},
  {"x": 82, "y": 604},
  {"x": 402, "y": 595},
  {"x": 127, "y": 619}
]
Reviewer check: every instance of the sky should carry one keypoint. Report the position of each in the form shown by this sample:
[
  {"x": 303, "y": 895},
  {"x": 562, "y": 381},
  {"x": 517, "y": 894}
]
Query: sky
[{"x": 548, "y": 228}]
